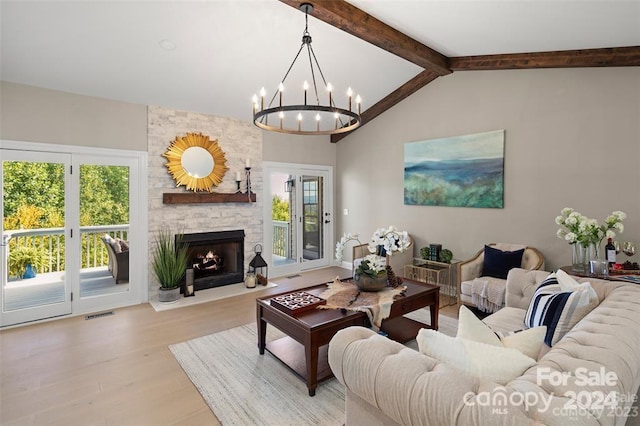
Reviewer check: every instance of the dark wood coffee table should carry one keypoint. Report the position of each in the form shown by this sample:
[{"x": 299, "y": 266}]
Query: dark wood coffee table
[{"x": 304, "y": 349}]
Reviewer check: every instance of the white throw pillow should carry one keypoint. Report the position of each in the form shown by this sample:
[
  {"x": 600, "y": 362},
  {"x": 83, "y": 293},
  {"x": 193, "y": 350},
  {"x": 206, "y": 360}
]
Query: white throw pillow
[
  {"x": 567, "y": 283},
  {"x": 529, "y": 341},
  {"x": 559, "y": 310},
  {"x": 470, "y": 327},
  {"x": 495, "y": 363}
]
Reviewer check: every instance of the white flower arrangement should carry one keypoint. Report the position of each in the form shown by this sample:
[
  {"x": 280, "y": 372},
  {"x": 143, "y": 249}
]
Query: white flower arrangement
[
  {"x": 344, "y": 240},
  {"x": 372, "y": 265},
  {"x": 580, "y": 229},
  {"x": 390, "y": 239}
]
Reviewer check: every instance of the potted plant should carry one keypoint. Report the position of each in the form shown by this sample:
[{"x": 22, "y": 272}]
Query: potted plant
[
  {"x": 169, "y": 264},
  {"x": 445, "y": 255},
  {"x": 371, "y": 273},
  {"x": 24, "y": 261}
]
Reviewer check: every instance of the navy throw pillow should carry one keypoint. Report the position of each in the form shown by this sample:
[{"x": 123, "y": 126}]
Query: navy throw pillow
[{"x": 498, "y": 263}]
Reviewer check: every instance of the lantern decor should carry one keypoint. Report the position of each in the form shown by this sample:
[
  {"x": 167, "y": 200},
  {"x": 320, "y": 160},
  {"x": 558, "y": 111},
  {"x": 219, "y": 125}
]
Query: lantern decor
[
  {"x": 289, "y": 184},
  {"x": 258, "y": 266}
]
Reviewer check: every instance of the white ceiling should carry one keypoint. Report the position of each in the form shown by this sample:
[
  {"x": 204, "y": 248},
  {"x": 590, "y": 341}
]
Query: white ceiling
[{"x": 226, "y": 50}]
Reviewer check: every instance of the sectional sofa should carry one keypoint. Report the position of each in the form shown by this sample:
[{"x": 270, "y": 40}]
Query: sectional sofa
[{"x": 589, "y": 377}]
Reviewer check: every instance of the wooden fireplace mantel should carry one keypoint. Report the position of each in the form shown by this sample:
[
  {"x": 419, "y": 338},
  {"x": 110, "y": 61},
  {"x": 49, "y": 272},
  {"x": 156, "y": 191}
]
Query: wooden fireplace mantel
[{"x": 207, "y": 197}]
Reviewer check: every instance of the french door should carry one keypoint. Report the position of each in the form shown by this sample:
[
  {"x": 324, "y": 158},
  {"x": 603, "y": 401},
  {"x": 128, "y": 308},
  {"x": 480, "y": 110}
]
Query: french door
[
  {"x": 107, "y": 243},
  {"x": 298, "y": 218},
  {"x": 76, "y": 219},
  {"x": 35, "y": 236}
]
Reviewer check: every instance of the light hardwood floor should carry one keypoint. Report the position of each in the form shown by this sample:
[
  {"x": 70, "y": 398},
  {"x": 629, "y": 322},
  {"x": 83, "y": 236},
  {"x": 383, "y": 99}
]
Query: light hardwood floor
[{"x": 118, "y": 370}]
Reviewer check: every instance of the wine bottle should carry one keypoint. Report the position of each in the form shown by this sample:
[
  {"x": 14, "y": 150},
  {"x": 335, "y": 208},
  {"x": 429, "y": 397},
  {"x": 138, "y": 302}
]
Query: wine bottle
[{"x": 610, "y": 251}]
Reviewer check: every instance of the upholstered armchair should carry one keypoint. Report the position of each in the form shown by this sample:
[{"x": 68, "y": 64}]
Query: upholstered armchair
[{"x": 482, "y": 281}]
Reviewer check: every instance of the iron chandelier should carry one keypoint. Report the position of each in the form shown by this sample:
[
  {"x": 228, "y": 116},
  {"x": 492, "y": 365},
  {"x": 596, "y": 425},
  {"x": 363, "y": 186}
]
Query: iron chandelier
[{"x": 307, "y": 118}]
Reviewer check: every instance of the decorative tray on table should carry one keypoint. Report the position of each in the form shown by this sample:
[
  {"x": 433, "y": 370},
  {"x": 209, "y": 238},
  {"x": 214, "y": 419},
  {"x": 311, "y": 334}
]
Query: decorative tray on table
[
  {"x": 626, "y": 268},
  {"x": 624, "y": 271},
  {"x": 295, "y": 303}
]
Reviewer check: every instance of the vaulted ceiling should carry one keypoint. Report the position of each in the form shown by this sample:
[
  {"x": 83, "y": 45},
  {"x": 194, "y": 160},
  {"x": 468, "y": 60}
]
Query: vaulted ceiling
[{"x": 211, "y": 56}]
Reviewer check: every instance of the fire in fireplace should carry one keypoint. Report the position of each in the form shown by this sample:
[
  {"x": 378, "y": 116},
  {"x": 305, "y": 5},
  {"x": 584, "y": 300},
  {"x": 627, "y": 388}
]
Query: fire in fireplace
[{"x": 217, "y": 258}]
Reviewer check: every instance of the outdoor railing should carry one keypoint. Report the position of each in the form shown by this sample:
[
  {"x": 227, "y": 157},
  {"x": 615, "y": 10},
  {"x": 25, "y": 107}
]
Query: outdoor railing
[
  {"x": 281, "y": 238},
  {"x": 50, "y": 243}
]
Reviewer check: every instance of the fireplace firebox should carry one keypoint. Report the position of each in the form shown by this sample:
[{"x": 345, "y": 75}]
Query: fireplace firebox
[{"x": 217, "y": 258}]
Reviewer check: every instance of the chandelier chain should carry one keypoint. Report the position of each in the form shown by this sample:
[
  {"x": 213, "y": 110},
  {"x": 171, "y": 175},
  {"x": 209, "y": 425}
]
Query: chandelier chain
[
  {"x": 313, "y": 74},
  {"x": 275, "y": 93}
]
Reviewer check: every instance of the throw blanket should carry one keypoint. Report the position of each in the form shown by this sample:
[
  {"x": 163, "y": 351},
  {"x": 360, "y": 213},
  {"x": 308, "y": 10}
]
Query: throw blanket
[
  {"x": 487, "y": 294},
  {"x": 345, "y": 295}
]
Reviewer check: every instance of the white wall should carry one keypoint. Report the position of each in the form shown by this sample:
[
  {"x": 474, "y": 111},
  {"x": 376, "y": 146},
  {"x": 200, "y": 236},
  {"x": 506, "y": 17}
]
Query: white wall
[
  {"x": 572, "y": 139},
  {"x": 33, "y": 114},
  {"x": 285, "y": 148}
]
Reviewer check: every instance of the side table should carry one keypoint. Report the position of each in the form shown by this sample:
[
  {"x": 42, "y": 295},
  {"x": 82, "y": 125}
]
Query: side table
[{"x": 432, "y": 272}]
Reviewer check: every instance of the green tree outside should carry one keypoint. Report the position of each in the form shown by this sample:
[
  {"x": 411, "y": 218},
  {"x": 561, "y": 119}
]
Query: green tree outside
[
  {"x": 34, "y": 198},
  {"x": 279, "y": 209}
]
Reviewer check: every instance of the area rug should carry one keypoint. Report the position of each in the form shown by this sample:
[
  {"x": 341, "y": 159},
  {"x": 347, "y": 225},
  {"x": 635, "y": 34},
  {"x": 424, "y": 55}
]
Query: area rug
[{"x": 244, "y": 388}]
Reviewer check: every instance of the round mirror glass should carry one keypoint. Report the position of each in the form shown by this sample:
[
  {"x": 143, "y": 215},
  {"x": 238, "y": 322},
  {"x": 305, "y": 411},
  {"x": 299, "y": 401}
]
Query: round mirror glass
[{"x": 197, "y": 161}]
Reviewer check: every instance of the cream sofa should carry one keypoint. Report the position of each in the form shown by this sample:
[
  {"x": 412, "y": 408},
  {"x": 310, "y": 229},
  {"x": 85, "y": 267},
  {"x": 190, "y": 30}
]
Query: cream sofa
[{"x": 388, "y": 383}]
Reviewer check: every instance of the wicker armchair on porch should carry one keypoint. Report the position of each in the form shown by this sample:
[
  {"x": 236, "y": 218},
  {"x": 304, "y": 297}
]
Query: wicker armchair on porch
[
  {"x": 118, "y": 260},
  {"x": 482, "y": 280}
]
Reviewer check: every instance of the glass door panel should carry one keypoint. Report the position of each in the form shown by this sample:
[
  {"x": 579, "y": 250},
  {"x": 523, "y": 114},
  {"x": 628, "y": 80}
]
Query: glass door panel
[
  {"x": 314, "y": 224},
  {"x": 104, "y": 229},
  {"x": 35, "y": 282},
  {"x": 312, "y": 229}
]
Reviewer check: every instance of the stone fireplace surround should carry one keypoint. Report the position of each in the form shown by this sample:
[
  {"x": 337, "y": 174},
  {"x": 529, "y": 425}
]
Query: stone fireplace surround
[{"x": 240, "y": 141}]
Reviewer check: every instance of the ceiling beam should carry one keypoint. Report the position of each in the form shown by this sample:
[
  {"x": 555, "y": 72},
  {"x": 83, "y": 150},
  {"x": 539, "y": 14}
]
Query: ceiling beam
[
  {"x": 356, "y": 22},
  {"x": 608, "y": 57},
  {"x": 395, "y": 97}
]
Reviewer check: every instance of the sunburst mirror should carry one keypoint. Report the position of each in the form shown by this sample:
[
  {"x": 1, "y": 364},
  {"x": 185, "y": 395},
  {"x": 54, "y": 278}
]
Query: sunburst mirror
[{"x": 196, "y": 162}]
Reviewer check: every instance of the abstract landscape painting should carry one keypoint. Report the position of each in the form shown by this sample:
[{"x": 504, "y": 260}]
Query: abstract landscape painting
[{"x": 459, "y": 171}]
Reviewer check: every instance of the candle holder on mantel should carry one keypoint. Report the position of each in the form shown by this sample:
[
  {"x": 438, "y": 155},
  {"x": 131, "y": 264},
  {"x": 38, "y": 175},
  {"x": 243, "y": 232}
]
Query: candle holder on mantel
[
  {"x": 248, "y": 175},
  {"x": 238, "y": 190}
]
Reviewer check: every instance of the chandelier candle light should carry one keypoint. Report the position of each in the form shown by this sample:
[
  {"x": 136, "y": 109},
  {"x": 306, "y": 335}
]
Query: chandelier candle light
[{"x": 299, "y": 119}]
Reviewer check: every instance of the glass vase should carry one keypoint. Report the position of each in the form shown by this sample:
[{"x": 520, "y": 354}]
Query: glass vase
[
  {"x": 593, "y": 252},
  {"x": 579, "y": 258}
]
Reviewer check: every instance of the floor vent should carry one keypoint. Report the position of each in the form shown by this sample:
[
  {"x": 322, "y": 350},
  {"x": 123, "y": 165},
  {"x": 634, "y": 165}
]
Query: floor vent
[
  {"x": 98, "y": 315},
  {"x": 294, "y": 276}
]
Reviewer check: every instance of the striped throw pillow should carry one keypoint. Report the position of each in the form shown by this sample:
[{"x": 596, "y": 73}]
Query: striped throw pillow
[{"x": 559, "y": 310}]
